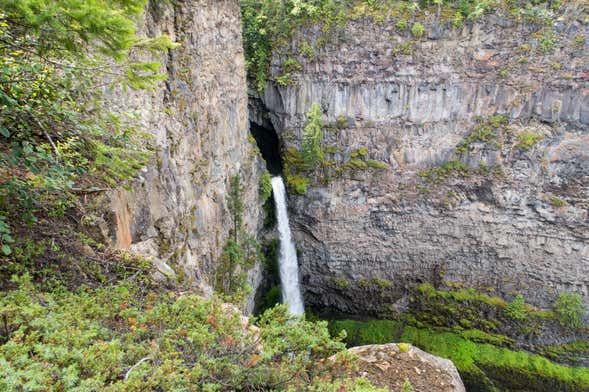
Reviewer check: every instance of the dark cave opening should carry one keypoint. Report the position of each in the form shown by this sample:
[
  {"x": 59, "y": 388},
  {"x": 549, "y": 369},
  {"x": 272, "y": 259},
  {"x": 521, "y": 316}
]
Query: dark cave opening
[{"x": 269, "y": 145}]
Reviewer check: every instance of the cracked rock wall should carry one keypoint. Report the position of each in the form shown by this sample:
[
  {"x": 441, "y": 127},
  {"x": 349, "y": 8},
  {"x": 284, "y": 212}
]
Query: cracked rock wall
[
  {"x": 512, "y": 218},
  {"x": 197, "y": 121}
]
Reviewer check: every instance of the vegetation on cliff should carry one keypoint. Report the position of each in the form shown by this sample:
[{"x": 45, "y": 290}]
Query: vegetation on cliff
[
  {"x": 58, "y": 141},
  {"x": 268, "y": 26}
]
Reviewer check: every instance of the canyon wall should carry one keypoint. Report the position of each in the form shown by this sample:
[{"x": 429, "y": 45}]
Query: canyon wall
[
  {"x": 196, "y": 120},
  {"x": 475, "y": 151}
]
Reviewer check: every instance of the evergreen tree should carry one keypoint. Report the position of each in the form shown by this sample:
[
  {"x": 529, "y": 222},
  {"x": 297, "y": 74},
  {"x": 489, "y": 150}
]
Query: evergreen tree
[
  {"x": 55, "y": 132},
  {"x": 311, "y": 150}
]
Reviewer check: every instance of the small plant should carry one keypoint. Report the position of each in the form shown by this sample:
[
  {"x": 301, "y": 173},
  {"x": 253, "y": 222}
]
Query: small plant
[
  {"x": 569, "y": 309},
  {"x": 284, "y": 80},
  {"x": 527, "y": 140},
  {"x": 341, "y": 122},
  {"x": 458, "y": 20},
  {"x": 407, "y": 387},
  {"x": 292, "y": 65},
  {"x": 547, "y": 43},
  {"x": 418, "y": 30},
  {"x": 5, "y": 237},
  {"x": 307, "y": 51},
  {"x": 557, "y": 202},
  {"x": 401, "y": 24},
  {"x": 298, "y": 183},
  {"x": 516, "y": 309},
  {"x": 374, "y": 164},
  {"x": 265, "y": 186},
  {"x": 404, "y": 347},
  {"x": 579, "y": 41},
  {"x": 504, "y": 73}
]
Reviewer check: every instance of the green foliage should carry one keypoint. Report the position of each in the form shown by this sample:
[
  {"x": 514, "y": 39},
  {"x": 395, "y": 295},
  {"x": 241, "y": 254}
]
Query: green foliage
[
  {"x": 418, "y": 30},
  {"x": 5, "y": 236},
  {"x": 235, "y": 203},
  {"x": 483, "y": 133},
  {"x": 527, "y": 140},
  {"x": 401, "y": 24},
  {"x": 265, "y": 186},
  {"x": 458, "y": 20},
  {"x": 547, "y": 43},
  {"x": 407, "y": 387},
  {"x": 372, "y": 163},
  {"x": 55, "y": 132},
  {"x": 240, "y": 252},
  {"x": 311, "y": 150},
  {"x": 438, "y": 174},
  {"x": 121, "y": 338},
  {"x": 569, "y": 310},
  {"x": 557, "y": 202},
  {"x": 298, "y": 183},
  {"x": 269, "y": 24},
  {"x": 516, "y": 309}
]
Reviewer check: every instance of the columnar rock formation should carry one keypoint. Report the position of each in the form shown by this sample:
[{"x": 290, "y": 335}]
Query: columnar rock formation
[
  {"x": 197, "y": 122},
  {"x": 508, "y": 210}
]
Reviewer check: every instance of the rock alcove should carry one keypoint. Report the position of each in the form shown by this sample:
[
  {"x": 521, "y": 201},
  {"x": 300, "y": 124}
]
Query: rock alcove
[{"x": 269, "y": 145}]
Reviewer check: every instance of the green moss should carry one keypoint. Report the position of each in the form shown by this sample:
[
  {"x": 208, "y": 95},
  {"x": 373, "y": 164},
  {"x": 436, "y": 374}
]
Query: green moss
[
  {"x": 356, "y": 164},
  {"x": 374, "y": 164},
  {"x": 557, "y": 202},
  {"x": 342, "y": 283},
  {"x": 482, "y": 366},
  {"x": 341, "y": 122},
  {"x": 438, "y": 174}
]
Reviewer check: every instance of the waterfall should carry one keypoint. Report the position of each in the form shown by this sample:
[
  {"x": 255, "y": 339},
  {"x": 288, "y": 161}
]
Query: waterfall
[{"x": 289, "y": 268}]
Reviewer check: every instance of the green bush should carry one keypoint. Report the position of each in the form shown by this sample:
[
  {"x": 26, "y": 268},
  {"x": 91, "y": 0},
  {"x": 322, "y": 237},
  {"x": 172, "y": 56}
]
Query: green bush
[
  {"x": 526, "y": 140},
  {"x": 569, "y": 310},
  {"x": 56, "y": 133},
  {"x": 122, "y": 338},
  {"x": 516, "y": 309},
  {"x": 265, "y": 186},
  {"x": 418, "y": 30}
]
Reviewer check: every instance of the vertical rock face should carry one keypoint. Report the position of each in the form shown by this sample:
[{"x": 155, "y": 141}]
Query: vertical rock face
[
  {"x": 197, "y": 122},
  {"x": 496, "y": 203}
]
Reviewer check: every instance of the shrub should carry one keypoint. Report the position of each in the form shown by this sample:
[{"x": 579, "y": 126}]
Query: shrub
[
  {"x": 527, "y": 140},
  {"x": 457, "y": 20},
  {"x": 418, "y": 30},
  {"x": 265, "y": 186},
  {"x": 401, "y": 24},
  {"x": 516, "y": 309},
  {"x": 122, "y": 338},
  {"x": 569, "y": 309},
  {"x": 298, "y": 183}
]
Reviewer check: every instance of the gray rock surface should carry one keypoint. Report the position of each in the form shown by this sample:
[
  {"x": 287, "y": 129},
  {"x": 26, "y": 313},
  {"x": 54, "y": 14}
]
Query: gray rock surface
[
  {"x": 198, "y": 122},
  {"x": 517, "y": 222}
]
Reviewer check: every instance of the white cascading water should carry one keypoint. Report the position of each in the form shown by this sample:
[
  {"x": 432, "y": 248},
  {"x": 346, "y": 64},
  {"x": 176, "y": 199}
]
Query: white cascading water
[{"x": 289, "y": 267}]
